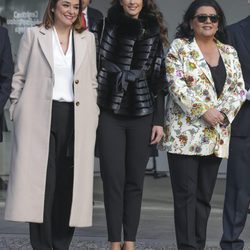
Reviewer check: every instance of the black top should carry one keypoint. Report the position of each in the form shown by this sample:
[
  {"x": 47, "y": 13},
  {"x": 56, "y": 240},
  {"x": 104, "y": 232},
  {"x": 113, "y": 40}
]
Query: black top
[{"x": 219, "y": 75}]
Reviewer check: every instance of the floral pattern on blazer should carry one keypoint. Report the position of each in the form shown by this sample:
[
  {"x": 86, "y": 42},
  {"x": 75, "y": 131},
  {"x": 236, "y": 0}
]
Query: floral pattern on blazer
[{"x": 192, "y": 93}]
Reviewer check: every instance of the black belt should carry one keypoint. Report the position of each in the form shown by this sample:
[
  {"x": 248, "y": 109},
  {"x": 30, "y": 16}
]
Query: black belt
[{"x": 123, "y": 77}]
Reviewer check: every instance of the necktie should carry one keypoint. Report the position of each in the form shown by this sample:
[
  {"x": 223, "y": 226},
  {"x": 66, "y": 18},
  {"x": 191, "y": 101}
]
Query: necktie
[{"x": 84, "y": 24}]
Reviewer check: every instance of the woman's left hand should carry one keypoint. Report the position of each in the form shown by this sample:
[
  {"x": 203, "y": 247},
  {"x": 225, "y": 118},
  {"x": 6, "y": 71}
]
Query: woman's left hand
[{"x": 156, "y": 135}]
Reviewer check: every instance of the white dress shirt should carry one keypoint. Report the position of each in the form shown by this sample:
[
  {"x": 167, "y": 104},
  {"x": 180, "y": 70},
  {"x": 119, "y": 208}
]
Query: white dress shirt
[{"x": 63, "y": 70}]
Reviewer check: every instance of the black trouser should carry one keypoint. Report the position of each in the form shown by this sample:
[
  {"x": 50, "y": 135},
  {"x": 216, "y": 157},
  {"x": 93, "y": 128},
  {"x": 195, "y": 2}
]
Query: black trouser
[
  {"x": 237, "y": 196},
  {"x": 54, "y": 232},
  {"x": 124, "y": 152},
  {"x": 193, "y": 179}
]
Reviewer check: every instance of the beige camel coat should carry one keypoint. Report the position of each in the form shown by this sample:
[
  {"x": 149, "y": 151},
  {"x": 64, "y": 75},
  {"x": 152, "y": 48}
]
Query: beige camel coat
[{"x": 31, "y": 103}]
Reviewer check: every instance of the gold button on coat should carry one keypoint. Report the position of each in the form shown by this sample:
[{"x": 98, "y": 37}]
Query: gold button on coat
[
  {"x": 76, "y": 81},
  {"x": 77, "y": 103}
]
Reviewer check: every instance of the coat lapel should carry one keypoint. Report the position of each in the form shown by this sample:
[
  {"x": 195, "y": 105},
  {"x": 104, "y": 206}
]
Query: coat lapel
[
  {"x": 45, "y": 41},
  {"x": 200, "y": 60},
  {"x": 227, "y": 63},
  {"x": 80, "y": 48}
]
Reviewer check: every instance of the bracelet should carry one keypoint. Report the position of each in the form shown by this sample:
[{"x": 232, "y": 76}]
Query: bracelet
[{"x": 225, "y": 121}]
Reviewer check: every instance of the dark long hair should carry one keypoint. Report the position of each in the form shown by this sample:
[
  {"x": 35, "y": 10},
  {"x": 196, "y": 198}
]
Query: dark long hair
[
  {"x": 150, "y": 7},
  {"x": 48, "y": 17},
  {"x": 184, "y": 30}
]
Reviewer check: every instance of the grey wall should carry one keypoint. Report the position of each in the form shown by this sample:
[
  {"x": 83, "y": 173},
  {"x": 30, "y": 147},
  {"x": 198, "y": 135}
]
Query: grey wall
[
  {"x": 2, "y": 5},
  {"x": 172, "y": 10},
  {"x": 20, "y": 15}
]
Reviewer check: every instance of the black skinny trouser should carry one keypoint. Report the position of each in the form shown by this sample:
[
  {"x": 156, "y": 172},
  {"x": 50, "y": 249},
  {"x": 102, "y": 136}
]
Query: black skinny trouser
[
  {"x": 193, "y": 179},
  {"x": 124, "y": 152},
  {"x": 54, "y": 232}
]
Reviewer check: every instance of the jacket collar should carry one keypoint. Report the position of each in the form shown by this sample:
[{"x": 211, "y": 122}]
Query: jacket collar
[
  {"x": 45, "y": 41},
  {"x": 80, "y": 48},
  {"x": 197, "y": 55},
  {"x": 132, "y": 27}
]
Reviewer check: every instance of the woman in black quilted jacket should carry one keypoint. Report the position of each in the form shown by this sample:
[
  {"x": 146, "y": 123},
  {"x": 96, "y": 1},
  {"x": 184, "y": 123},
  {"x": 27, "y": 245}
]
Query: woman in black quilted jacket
[{"x": 131, "y": 89}]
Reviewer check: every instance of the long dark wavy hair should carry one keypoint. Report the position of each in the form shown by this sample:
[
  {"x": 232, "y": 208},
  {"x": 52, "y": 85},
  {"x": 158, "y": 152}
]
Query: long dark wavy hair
[
  {"x": 48, "y": 17},
  {"x": 184, "y": 30},
  {"x": 150, "y": 7}
]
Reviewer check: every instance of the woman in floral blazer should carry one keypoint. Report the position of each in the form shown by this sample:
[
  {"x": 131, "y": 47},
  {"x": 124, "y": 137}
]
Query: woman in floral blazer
[{"x": 206, "y": 90}]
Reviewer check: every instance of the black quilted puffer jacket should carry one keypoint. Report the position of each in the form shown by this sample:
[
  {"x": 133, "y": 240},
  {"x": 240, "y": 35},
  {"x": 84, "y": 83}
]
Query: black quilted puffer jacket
[{"x": 131, "y": 68}]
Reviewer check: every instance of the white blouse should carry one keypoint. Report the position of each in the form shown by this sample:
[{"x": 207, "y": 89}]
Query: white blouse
[{"x": 63, "y": 70}]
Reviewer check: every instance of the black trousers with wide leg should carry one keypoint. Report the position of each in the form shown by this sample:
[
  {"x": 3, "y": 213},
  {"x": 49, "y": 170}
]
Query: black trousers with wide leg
[
  {"x": 237, "y": 196},
  {"x": 193, "y": 179},
  {"x": 54, "y": 232},
  {"x": 124, "y": 152}
]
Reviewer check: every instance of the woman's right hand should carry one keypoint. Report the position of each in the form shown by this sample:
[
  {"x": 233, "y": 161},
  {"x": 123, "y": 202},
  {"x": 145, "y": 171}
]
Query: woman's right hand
[{"x": 213, "y": 117}]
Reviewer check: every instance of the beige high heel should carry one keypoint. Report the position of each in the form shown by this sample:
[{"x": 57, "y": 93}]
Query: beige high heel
[
  {"x": 123, "y": 247},
  {"x": 110, "y": 246}
]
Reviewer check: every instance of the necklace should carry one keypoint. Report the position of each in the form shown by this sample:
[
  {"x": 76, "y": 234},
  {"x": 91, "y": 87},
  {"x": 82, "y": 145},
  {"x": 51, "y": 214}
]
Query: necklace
[{"x": 62, "y": 42}]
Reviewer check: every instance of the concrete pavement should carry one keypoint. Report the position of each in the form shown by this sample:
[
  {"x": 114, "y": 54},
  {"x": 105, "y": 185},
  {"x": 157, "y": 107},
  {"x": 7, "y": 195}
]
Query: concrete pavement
[{"x": 156, "y": 231}]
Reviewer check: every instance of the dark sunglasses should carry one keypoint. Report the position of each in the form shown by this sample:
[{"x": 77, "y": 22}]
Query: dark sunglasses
[{"x": 203, "y": 18}]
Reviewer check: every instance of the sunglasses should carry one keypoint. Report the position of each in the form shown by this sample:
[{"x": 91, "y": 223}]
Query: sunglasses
[{"x": 203, "y": 18}]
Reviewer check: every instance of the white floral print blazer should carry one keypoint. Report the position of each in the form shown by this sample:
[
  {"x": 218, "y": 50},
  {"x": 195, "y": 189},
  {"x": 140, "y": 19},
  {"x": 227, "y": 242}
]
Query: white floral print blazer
[{"x": 192, "y": 93}]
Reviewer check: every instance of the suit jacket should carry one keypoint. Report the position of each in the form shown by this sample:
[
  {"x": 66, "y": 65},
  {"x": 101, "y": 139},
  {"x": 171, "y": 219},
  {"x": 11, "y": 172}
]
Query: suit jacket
[
  {"x": 192, "y": 93},
  {"x": 94, "y": 16},
  {"x": 239, "y": 38},
  {"x": 6, "y": 72}
]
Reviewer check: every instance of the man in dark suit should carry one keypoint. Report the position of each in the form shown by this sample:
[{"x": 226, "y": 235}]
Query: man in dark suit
[
  {"x": 237, "y": 196},
  {"x": 92, "y": 16},
  {"x": 6, "y": 72}
]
